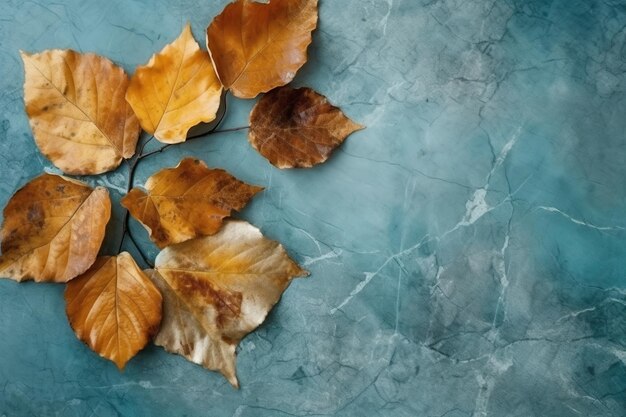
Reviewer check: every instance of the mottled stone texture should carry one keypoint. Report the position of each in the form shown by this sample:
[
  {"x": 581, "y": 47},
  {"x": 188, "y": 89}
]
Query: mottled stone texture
[{"x": 467, "y": 249}]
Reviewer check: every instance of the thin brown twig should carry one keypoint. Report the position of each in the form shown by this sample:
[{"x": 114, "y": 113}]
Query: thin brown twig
[
  {"x": 131, "y": 173},
  {"x": 132, "y": 238},
  {"x": 132, "y": 166},
  {"x": 161, "y": 149},
  {"x": 212, "y": 132},
  {"x": 144, "y": 145},
  {"x": 232, "y": 129},
  {"x": 219, "y": 122}
]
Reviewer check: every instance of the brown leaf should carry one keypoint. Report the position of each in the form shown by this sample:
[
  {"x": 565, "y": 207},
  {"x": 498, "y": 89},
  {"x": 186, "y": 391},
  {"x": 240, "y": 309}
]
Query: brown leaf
[
  {"x": 297, "y": 128},
  {"x": 188, "y": 201},
  {"x": 176, "y": 90},
  {"x": 256, "y": 47},
  {"x": 53, "y": 228},
  {"x": 114, "y": 308},
  {"x": 77, "y": 111},
  {"x": 216, "y": 290}
]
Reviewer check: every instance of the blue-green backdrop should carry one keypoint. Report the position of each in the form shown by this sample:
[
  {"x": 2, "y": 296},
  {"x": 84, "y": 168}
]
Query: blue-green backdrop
[{"x": 467, "y": 249}]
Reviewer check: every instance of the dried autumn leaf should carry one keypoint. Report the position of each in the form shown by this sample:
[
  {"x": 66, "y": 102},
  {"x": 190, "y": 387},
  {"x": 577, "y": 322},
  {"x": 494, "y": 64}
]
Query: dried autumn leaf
[
  {"x": 256, "y": 47},
  {"x": 53, "y": 228},
  {"x": 114, "y": 308},
  {"x": 188, "y": 201},
  {"x": 216, "y": 290},
  {"x": 77, "y": 111},
  {"x": 176, "y": 90},
  {"x": 297, "y": 128}
]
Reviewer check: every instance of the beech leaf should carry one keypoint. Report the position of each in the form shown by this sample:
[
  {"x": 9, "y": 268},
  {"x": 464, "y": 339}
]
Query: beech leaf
[
  {"x": 114, "y": 308},
  {"x": 77, "y": 111},
  {"x": 53, "y": 228},
  {"x": 216, "y": 290},
  {"x": 188, "y": 201},
  {"x": 256, "y": 47},
  {"x": 176, "y": 90},
  {"x": 297, "y": 128}
]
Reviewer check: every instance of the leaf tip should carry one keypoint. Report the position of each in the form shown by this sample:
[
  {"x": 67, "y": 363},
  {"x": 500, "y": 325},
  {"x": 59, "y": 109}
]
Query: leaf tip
[
  {"x": 102, "y": 188},
  {"x": 232, "y": 379},
  {"x": 186, "y": 32},
  {"x": 25, "y": 55},
  {"x": 120, "y": 363}
]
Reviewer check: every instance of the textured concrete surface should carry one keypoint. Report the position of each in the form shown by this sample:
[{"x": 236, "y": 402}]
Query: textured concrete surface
[{"x": 467, "y": 249}]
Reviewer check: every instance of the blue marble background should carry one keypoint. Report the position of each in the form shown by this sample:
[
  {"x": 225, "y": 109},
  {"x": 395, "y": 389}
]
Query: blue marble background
[{"x": 467, "y": 249}]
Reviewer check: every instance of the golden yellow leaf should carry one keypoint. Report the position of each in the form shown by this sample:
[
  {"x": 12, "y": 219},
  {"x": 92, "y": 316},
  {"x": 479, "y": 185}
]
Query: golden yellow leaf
[
  {"x": 53, "y": 228},
  {"x": 256, "y": 47},
  {"x": 216, "y": 290},
  {"x": 77, "y": 111},
  {"x": 114, "y": 308},
  {"x": 188, "y": 201},
  {"x": 297, "y": 128},
  {"x": 176, "y": 90}
]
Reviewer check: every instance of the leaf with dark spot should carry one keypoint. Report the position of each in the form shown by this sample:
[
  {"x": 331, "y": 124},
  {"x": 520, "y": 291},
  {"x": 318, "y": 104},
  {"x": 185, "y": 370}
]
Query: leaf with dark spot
[
  {"x": 53, "y": 228},
  {"x": 216, "y": 290},
  {"x": 77, "y": 110},
  {"x": 297, "y": 128}
]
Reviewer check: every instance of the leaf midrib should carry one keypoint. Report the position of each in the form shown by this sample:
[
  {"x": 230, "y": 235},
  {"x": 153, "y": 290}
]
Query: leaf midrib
[
  {"x": 30, "y": 61},
  {"x": 270, "y": 40},
  {"x": 70, "y": 217}
]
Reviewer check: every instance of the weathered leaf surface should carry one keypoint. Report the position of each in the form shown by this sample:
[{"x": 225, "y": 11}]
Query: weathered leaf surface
[
  {"x": 216, "y": 290},
  {"x": 297, "y": 128},
  {"x": 188, "y": 201},
  {"x": 256, "y": 47},
  {"x": 114, "y": 308},
  {"x": 53, "y": 228},
  {"x": 176, "y": 90},
  {"x": 77, "y": 111}
]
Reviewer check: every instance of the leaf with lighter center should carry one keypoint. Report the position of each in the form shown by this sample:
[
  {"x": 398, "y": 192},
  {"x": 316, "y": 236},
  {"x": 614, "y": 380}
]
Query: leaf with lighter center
[
  {"x": 53, "y": 228},
  {"x": 216, "y": 290},
  {"x": 114, "y": 308},
  {"x": 77, "y": 111},
  {"x": 176, "y": 90}
]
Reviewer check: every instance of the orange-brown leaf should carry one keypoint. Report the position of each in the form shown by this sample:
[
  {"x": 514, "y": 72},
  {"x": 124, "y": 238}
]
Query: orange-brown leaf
[
  {"x": 216, "y": 290},
  {"x": 256, "y": 47},
  {"x": 176, "y": 90},
  {"x": 77, "y": 111},
  {"x": 114, "y": 308},
  {"x": 297, "y": 128},
  {"x": 53, "y": 228},
  {"x": 188, "y": 201}
]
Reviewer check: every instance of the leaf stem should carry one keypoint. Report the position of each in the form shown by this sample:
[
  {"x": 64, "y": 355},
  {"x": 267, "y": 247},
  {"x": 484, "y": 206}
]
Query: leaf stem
[
  {"x": 161, "y": 149},
  {"x": 212, "y": 132},
  {"x": 219, "y": 122},
  {"x": 132, "y": 166},
  {"x": 131, "y": 173},
  {"x": 132, "y": 238},
  {"x": 232, "y": 129}
]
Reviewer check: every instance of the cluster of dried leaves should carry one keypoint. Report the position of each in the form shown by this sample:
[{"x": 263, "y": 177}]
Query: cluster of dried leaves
[{"x": 215, "y": 280}]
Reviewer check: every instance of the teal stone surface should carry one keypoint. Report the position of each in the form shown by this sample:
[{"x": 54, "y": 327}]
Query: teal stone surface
[{"x": 467, "y": 250}]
